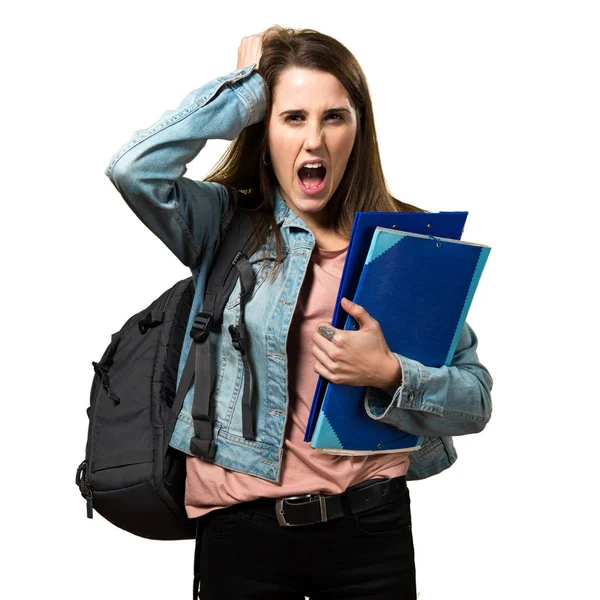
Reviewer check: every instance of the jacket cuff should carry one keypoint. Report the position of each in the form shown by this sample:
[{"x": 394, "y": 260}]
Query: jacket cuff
[
  {"x": 250, "y": 86},
  {"x": 408, "y": 395}
]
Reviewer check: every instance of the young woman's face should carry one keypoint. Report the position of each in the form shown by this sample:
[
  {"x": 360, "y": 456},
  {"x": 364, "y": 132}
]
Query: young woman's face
[{"x": 312, "y": 119}]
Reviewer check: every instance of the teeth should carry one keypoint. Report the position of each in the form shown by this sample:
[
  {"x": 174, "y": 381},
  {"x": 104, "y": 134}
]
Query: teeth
[{"x": 313, "y": 166}]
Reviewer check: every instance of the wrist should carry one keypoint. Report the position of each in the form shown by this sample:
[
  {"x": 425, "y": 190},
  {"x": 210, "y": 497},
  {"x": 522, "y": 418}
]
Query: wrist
[{"x": 393, "y": 375}]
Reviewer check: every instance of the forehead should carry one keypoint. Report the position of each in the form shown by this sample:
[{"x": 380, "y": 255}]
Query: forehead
[{"x": 306, "y": 88}]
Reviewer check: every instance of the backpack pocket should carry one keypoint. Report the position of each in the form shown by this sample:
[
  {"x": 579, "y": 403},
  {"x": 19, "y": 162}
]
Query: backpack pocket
[{"x": 122, "y": 431}]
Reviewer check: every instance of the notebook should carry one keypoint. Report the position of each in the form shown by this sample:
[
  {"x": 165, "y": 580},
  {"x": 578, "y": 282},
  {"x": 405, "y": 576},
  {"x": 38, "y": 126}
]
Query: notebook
[
  {"x": 442, "y": 224},
  {"x": 420, "y": 289}
]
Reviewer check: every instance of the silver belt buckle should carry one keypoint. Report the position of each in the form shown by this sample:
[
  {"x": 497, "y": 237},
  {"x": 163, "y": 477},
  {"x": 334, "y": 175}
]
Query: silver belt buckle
[{"x": 281, "y": 517}]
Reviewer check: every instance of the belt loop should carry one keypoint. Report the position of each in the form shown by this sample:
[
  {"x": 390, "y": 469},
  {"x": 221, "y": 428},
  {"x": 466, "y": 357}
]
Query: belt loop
[{"x": 323, "y": 508}]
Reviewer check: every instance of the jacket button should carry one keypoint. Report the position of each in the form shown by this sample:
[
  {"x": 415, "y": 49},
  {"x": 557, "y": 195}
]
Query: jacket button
[{"x": 411, "y": 396}]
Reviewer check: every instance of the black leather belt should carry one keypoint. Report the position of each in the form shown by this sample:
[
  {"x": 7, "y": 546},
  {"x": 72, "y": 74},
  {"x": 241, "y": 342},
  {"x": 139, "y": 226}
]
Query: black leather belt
[{"x": 318, "y": 508}]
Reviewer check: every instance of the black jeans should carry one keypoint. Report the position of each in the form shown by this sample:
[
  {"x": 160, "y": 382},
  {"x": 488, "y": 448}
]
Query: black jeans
[{"x": 246, "y": 554}]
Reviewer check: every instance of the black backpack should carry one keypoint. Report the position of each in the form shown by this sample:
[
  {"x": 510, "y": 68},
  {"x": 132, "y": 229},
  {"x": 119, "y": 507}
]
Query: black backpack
[{"x": 130, "y": 475}]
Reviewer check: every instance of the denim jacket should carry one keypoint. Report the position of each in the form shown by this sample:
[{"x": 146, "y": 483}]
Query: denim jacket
[{"x": 148, "y": 171}]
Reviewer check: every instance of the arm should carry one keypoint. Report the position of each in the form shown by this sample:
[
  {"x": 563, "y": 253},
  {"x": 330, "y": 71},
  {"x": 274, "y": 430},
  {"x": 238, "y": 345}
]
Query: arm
[
  {"x": 148, "y": 170},
  {"x": 444, "y": 401}
]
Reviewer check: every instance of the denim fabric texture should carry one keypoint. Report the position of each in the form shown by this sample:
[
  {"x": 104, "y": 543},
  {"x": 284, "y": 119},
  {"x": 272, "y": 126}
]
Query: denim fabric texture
[{"x": 148, "y": 171}]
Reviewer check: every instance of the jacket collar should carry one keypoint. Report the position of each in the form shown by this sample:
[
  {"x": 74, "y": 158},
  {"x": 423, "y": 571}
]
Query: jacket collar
[
  {"x": 281, "y": 210},
  {"x": 284, "y": 215}
]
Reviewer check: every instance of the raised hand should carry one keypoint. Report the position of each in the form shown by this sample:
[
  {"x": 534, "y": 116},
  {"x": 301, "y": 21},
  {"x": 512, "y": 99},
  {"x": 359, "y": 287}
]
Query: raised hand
[{"x": 250, "y": 49}]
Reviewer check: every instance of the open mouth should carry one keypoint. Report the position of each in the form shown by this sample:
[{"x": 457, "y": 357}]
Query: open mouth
[{"x": 312, "y": 178}]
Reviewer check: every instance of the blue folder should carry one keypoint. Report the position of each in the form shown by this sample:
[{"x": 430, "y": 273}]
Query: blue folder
[
  {"x": 419, "y": 288},
  {"x": 442, "y": 224}
]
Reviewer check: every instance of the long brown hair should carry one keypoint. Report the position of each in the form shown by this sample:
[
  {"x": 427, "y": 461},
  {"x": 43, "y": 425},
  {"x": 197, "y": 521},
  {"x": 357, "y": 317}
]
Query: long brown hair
[{"x": 242, "y": 169}]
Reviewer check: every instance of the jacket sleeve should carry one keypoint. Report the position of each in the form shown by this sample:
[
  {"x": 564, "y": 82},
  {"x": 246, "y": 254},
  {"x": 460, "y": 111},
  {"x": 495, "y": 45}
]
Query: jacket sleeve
[
  {"x": 445, "y": 401},
  {"x": 148, "y": 170}
]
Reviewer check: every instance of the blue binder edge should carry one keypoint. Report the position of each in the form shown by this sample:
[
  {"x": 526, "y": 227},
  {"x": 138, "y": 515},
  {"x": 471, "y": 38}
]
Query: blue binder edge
[
  {"x": 441, "y": 224},
  {"x": 331, "y": 442},
  {"x": 483, "y": 256}
]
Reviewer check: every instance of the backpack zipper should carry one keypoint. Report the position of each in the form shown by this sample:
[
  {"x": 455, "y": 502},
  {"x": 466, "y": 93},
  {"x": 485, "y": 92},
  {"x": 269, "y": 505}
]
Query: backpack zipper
[
  {"x": 85, "y": 488},
  {"x": 81, "y": 478}
]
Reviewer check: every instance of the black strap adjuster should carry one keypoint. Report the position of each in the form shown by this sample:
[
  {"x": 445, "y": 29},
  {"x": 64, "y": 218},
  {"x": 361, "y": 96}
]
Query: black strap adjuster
[
  {"x": 203, "y": 448},
  {"x": 147, "y": 322},
  {"x": 237, "y": 339},
  {"x": 202, "y": 326}
]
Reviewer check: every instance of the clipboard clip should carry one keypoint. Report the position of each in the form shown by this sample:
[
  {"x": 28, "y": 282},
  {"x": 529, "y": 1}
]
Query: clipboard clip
[{"x": 436, "y": 239}]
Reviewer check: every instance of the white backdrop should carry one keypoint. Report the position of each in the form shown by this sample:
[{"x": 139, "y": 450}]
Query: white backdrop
[{"x": 490, "y": 107}]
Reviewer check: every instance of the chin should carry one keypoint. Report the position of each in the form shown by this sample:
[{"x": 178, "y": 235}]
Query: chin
[{"x": 311, "y": 205}]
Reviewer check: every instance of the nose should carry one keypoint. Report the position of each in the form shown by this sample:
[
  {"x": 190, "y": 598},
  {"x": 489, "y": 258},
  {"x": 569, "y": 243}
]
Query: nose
[{"x": 313, "y": 137}]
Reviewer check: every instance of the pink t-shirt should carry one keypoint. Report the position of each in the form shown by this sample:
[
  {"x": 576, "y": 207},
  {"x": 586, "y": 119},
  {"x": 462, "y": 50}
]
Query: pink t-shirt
[{"x": 304, "y": 470}]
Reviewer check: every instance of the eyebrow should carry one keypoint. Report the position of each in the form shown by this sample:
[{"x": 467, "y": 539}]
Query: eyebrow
[{"x": 303, "y": 112}]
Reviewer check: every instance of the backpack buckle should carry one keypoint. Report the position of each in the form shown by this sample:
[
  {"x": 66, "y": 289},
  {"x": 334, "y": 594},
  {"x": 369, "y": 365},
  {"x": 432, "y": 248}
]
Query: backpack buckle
[
  {"x": 237, "y": 339},
  {"x": 203, "y": 448},
  {"x": 202, "y": 326}
]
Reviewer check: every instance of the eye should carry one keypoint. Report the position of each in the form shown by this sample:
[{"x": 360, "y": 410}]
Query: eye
[{"x": 292, "y": 118}]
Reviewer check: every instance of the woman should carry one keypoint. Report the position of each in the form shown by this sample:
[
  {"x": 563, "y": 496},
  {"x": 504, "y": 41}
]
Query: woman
[{"x": 296, "y": 98}]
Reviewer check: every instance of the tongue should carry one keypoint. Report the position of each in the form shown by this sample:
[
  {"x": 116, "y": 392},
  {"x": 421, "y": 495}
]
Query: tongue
[{"x": 311, "y": 178}]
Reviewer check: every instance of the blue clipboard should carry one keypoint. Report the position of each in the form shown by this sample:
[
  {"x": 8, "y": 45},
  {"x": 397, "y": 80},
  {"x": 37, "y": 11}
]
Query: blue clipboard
[
  {"x": 429, "y": 282},
  {"x": 441, "y": 224}
]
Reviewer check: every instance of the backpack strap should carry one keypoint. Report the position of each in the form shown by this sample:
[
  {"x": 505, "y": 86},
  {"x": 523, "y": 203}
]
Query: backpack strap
[
  {"x": 230, "y": 264},
  {"x": 240, "y": 342}
]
